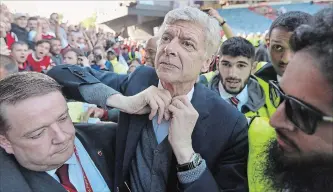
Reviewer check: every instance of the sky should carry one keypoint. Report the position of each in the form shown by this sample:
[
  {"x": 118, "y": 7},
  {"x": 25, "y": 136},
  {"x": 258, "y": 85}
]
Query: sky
[{"x": 73, "y": 11}]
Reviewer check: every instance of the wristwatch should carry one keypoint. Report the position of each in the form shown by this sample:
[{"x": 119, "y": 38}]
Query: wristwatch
[
  {"x": 195, "y": 161},
  {"x": 222, "y": 23}
]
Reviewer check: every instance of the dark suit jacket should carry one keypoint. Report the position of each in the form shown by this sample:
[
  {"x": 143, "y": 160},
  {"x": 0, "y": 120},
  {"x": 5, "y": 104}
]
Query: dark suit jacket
[
  {"x": 220, "y": 134},
  {"x": 95, "y": 138},
  {"x": 267, "y": 73}
]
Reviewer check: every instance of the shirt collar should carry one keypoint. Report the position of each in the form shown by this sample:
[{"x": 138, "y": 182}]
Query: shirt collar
[
  {"x": 278, "y": 77},
  {"x": 70, "y": 161},
  {"x": 242, "y": 96},
  {"x": 189, "y": 94}
]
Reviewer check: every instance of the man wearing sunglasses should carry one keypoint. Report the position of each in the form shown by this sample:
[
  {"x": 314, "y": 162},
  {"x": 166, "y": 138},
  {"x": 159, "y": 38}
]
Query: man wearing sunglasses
[
  {"x": 278, "y": 45},
  {"x": 301, "y": 157}
]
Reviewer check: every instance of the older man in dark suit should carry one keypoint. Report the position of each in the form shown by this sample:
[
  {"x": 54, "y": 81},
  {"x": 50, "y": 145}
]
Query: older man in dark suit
[
  {"x": 40, "y": 148},
  {"x": 192, "y": 140}
]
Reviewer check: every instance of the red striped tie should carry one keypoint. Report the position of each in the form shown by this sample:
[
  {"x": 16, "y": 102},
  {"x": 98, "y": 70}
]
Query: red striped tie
[{"x": 234, "y": 101}]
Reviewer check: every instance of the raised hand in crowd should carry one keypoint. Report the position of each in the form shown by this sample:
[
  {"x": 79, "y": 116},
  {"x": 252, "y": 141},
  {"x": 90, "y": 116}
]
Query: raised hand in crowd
[{"x": 226, "y": 28}]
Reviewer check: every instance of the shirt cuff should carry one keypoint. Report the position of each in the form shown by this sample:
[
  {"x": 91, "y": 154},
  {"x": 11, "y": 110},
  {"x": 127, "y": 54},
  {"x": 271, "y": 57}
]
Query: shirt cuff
[
  {"x": 192, "y": 175},
  {"x": 97, "y": 94}
]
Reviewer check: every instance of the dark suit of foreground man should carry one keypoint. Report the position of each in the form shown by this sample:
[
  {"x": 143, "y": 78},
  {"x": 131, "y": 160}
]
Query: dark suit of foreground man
[
  {"x": 40, "y": 148},
  {"x": 187, "y": 124}
]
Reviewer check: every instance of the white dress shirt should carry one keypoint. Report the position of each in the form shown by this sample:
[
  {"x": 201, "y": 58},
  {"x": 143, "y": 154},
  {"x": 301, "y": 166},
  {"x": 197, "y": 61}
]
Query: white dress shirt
[
  {"x": 162, "y": 130},
  {"x": 278, "y": 77},
  {"x": 243, "y": 96},
  {"x": 75, "y": 171}
]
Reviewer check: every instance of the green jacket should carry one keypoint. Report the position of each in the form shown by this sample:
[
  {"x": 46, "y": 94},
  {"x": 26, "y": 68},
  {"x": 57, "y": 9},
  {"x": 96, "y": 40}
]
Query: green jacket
[{"x": 260, "y": 135}]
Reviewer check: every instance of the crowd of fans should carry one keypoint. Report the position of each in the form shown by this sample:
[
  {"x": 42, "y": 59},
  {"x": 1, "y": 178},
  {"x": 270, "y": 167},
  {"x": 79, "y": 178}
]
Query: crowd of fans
[
  {"x": 192, "y": 110},
  {"x": 38, "y": 44}
]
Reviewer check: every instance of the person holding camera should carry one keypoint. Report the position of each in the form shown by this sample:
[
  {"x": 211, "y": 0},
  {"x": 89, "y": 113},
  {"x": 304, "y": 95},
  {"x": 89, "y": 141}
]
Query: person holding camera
[{"x": 100, "y": 62}]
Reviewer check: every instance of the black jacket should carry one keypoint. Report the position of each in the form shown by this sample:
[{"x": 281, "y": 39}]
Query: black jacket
[
  {"x": 220, "y": 134},
  {"x": 21, "y": 33},
  {"x": 267, "y": 72},
  {"x": 94, "y": 137}
]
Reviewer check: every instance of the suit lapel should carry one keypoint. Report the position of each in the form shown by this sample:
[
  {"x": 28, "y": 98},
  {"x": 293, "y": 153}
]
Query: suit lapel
[
  {"x": 199, "y": 103},
  {"x": 137, "y": 123},
  {"x": 41, "y": 181}
]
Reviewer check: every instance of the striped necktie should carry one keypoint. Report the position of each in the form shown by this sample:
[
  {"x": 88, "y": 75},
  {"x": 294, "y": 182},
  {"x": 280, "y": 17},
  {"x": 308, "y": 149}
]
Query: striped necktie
[{"x": 234, "y": 101}]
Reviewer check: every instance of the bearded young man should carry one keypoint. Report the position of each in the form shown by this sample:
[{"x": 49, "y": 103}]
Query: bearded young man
[
  {"x": 236, "y": 85},
  {"x": 301, "y": 158}
]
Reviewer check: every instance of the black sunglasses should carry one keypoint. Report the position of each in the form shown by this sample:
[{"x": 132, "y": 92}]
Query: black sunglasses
[{"x": 304, "y": 116}]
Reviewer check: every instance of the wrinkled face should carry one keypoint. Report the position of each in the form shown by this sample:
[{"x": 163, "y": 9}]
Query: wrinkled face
[
  {"x": 279, "y": 49},
  {"x": 151, "y": 52},
  {"x": 235, "y": 73},
  {"x": 70, "y": 58},
  {"x": 181, "y": 54},
  {"x": 20, "y": 53},
  {"x": 32, "y": 25},
  {"x": 44, "y": 143},
  {"x": 295, "y": 82},
  {"x": 42, "y": 50},
  {"x": 56, "y": 47},
  {"x": 22, "y": 22}
]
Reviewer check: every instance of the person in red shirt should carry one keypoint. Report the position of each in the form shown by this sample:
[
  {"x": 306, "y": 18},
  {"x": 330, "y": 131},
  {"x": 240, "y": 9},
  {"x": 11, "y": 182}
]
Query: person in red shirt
[
  {"x": 39, "y": 59},
  {"x": 19, "y": 52},
  {"x": 5, "y": 33},
  {"x": 43, "y": 31}
]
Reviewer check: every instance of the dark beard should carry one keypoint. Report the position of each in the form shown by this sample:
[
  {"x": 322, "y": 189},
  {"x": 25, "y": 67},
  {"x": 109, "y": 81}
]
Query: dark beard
[
  {"x": 304, "y": 174},
  {"x": 235, "y": 92}
]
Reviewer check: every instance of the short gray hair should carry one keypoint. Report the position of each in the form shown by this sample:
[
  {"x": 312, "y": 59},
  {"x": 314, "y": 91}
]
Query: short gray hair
[
  {"x": 21, "y": 86},
  {"x": 194, "y": 15}
]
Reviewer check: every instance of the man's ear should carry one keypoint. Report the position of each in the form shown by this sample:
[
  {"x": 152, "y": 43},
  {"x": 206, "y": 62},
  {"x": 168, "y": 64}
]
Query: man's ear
[
  {"x": 268, "y": 43},
  {"x": 254, "y": 67},
  {"x": 207, "y": 63},
  {"x": 6, "y": 145}
]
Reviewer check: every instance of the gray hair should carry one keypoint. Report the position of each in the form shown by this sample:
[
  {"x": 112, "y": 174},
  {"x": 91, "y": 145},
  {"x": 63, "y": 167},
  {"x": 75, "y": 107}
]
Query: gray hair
[
  {"x": 21, "y": 86},
  {"x": 194, "y": 15}
]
